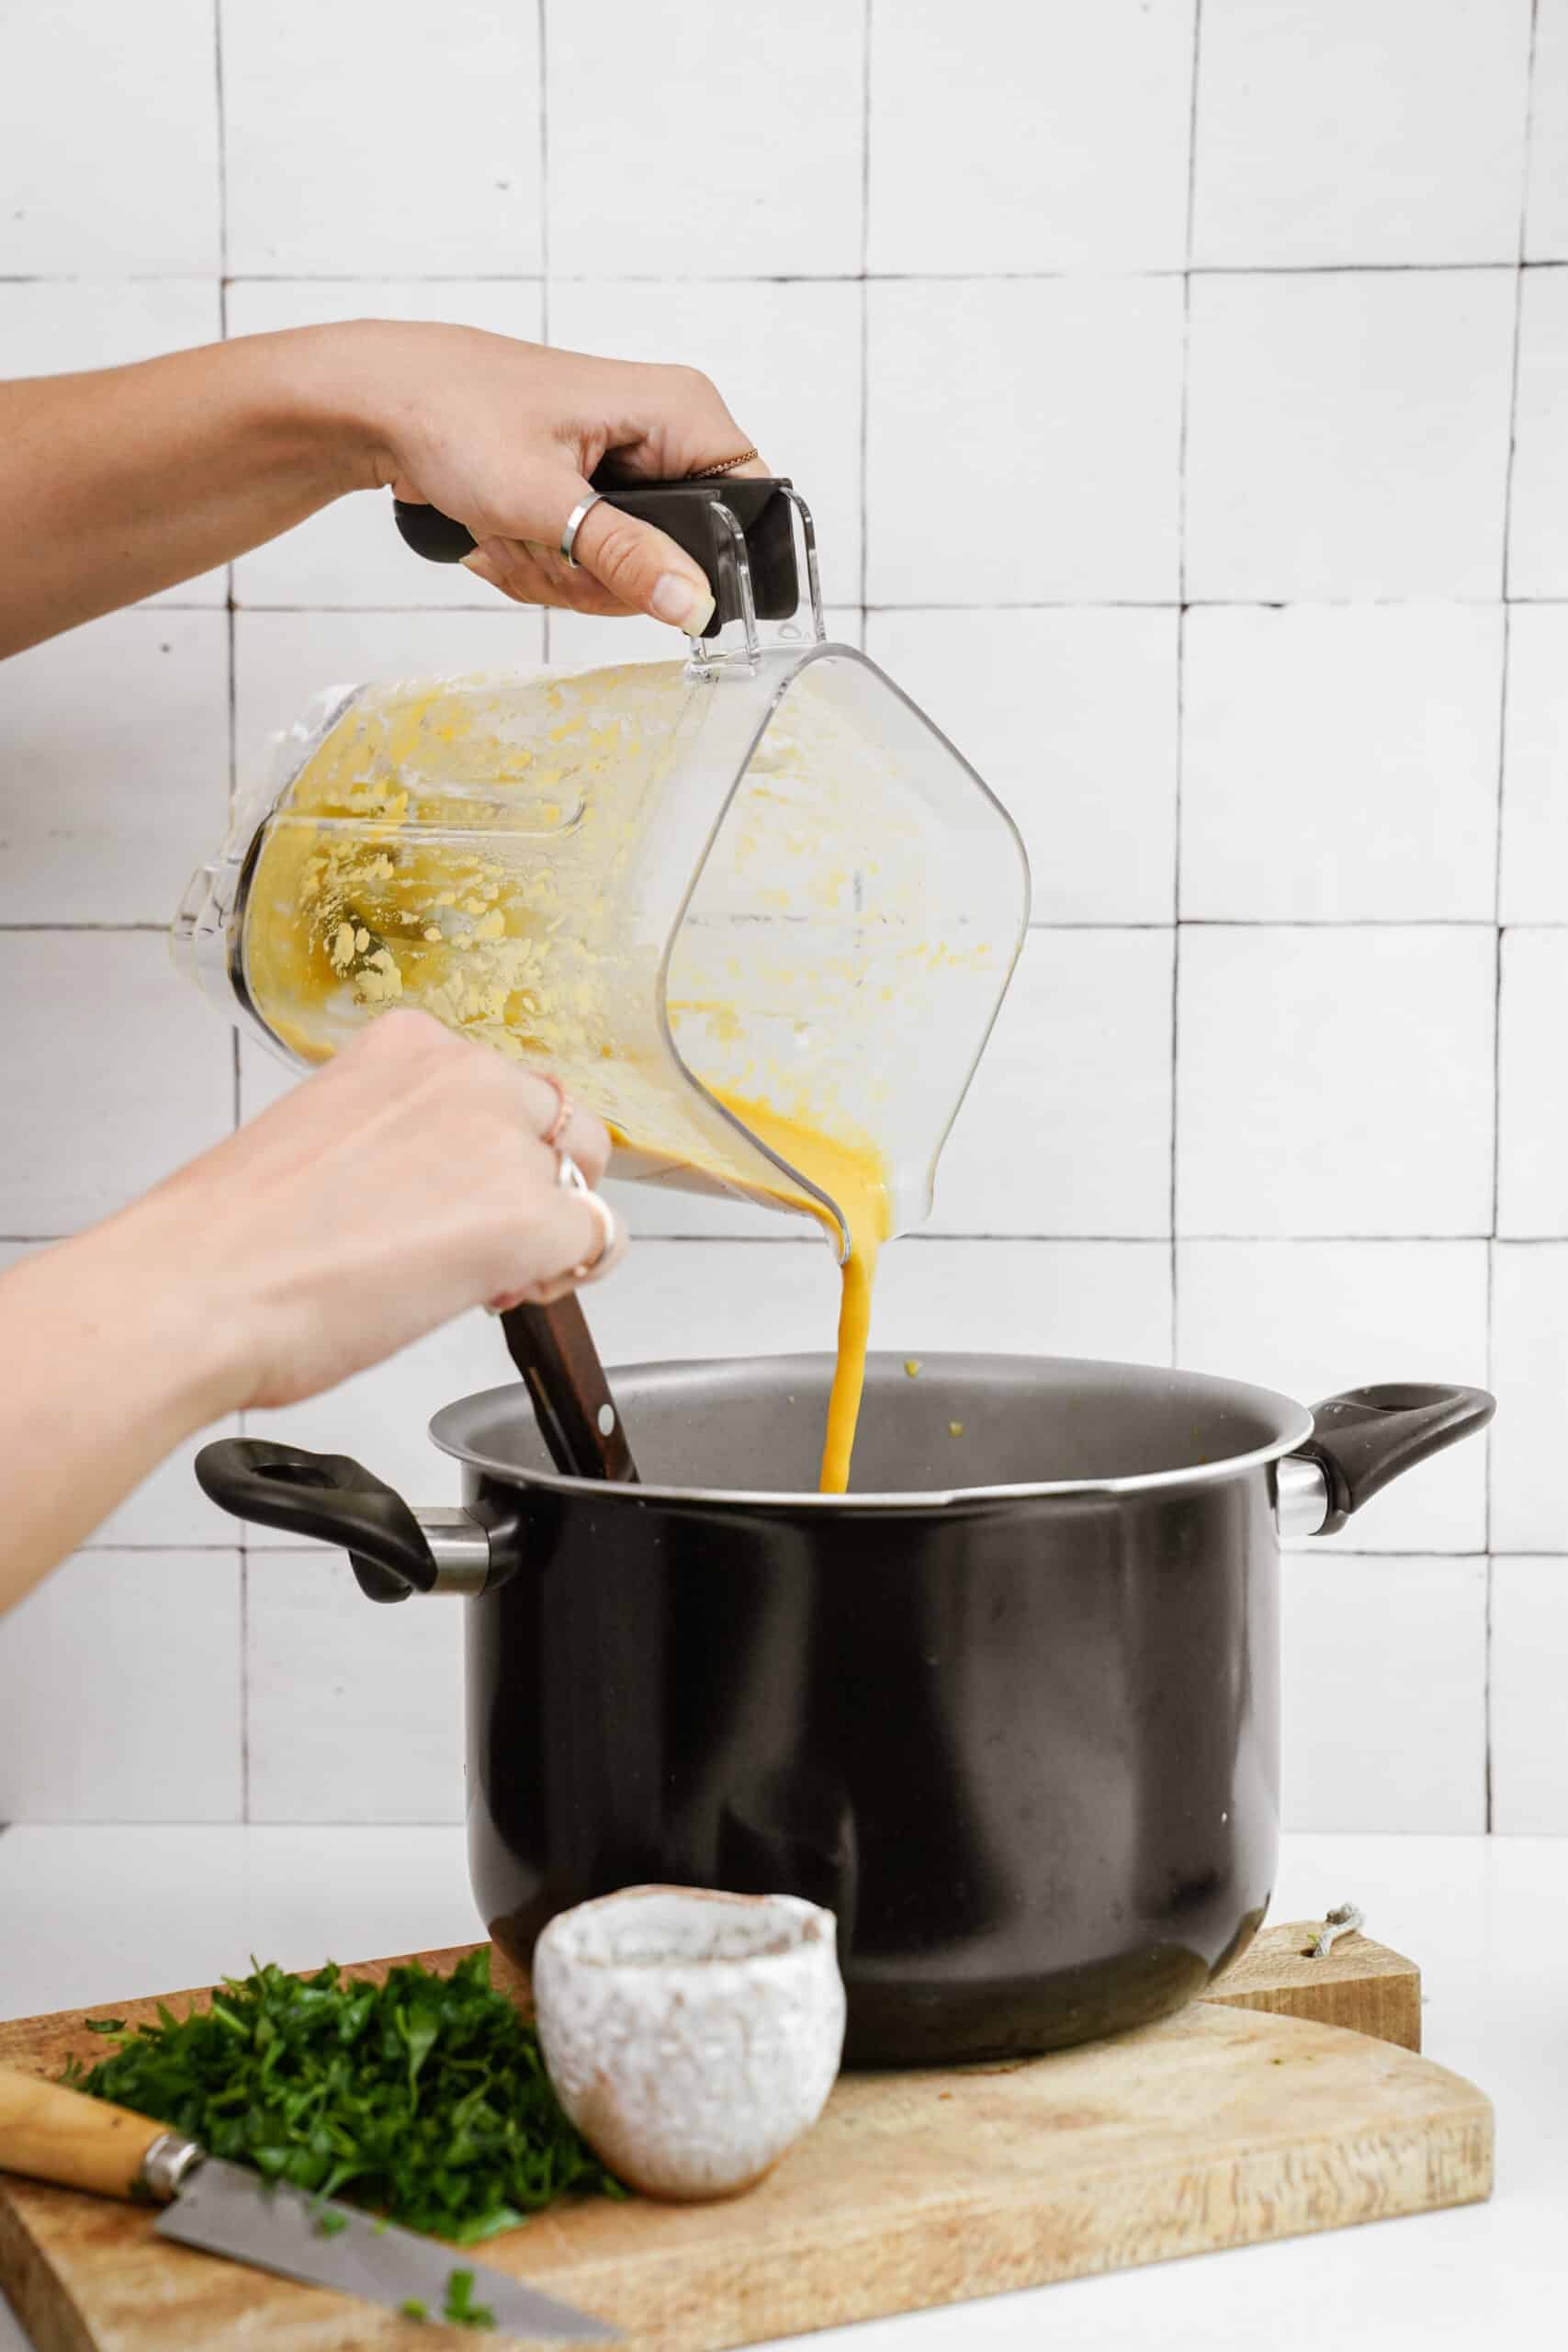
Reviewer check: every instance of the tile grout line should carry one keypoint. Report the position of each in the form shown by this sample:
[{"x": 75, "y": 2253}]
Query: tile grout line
[
  {"x": 1487, "y": 1806},
  {"x": 243, "y": 1662},
  {"x": 542, "y": 17},
  {"x": 1056, "y": 1240},
  {"x": 928, "y": 605},
  {"x": 222, "y": 151},
  {"x": 1317, "y": 1548},
  {"x": 1062, "y": 924},
  {"x": 230, "y": 624},
  {"x": 223, "y": 283},
  {"x": 864, "y": 313},
  {"x": 787, "y": 277},
  {"x": 1489, "y": 1790},
  {"x": 1180, "y": 690},
  {"x": 244, "y": 1677}
]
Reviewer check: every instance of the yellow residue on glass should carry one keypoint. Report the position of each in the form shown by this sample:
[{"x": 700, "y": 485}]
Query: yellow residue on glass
[{"x": 478, "y": 850}]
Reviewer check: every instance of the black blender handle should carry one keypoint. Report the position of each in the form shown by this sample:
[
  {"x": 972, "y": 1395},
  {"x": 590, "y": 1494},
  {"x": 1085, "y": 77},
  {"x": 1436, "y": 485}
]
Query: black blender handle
[
  {"x": 684, "y": 512},
  {"x": 326, "y": 1496},
  {"x": 431, "y": 534},
  {"x": 1367, "y": 1436}
]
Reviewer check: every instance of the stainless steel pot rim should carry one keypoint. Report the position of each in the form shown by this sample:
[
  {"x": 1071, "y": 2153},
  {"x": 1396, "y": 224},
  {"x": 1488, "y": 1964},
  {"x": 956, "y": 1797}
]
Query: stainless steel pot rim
[{"x": 1296, "y": 1429}]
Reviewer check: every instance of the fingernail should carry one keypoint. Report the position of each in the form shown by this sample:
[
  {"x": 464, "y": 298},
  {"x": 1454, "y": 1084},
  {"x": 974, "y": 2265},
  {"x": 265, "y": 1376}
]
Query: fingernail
[{"x": 675, "y": 600}]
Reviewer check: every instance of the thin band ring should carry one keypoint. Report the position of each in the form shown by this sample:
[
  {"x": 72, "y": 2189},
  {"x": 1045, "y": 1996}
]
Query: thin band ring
[
  {"x": 574, "y": 523},
  {"x": 570, "y": 1179},
  {"x": 565, "y": 1106},
  {"x": 725, "y": 465}
]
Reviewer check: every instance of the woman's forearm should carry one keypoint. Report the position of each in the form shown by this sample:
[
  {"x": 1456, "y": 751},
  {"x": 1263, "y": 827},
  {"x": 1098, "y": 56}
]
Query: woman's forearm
[
  {"x": 403, "y": 1184},
  {"x": 117, "y": 485},
  {"x": 127, "y": 481},
  {"x": 104, "y": 1372}
]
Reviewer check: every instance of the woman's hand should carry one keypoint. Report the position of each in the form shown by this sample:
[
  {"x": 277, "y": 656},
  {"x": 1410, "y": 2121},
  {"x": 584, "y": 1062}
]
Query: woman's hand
[
  {"x": 126, "y": 481},
  {"x": 405, "y": 1182},
  {"x": 505, "y": 436}
]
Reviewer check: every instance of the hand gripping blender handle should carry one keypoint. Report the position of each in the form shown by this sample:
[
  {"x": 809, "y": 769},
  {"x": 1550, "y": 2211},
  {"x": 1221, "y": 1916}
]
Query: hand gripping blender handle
[{"x": 686, "y": 513}]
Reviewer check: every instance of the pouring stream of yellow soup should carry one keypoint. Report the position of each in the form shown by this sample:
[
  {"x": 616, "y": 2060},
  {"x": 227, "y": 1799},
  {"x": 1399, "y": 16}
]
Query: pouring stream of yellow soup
[{"x": 852, "y": 1175}]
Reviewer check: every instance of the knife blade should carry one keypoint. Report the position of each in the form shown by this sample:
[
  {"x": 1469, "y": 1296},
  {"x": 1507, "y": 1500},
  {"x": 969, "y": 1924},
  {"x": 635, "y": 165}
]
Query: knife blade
[
  {"x": 56, "y": 2134},
  {"x": 222, "y": 2208}
]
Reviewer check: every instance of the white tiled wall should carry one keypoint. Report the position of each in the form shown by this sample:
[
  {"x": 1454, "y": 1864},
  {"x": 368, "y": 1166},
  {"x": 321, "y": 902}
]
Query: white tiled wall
[
  {"x": 1348, "y": 434},
  {"x": 1182, "y": 389}
]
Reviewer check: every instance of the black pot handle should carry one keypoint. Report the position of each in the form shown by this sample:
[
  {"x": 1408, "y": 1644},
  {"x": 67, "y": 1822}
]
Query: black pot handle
[
  {"x": 1364, "y": 1438},
  {"x": 327, "y": 1495}
]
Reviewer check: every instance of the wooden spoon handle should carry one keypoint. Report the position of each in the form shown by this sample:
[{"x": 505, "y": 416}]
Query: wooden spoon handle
[{"x": 52, "y": 2133}]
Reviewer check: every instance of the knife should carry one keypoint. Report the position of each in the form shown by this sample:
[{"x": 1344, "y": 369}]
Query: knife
[
  {"x": 553, "y": 1349},
  {"x": 55, "y": 2134}
]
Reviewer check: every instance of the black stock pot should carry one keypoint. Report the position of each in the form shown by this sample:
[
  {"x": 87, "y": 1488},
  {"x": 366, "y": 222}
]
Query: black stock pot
[{"x": 1010, "y": 1709}]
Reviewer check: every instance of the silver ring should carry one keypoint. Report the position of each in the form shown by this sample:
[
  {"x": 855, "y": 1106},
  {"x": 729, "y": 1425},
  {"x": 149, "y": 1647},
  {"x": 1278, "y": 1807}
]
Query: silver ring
[
  {"x": 574, "y": 523},
  {"x": 570, "y": 1179}
]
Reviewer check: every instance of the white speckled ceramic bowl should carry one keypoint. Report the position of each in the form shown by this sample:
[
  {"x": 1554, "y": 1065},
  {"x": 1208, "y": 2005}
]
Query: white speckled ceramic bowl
[{"x": 691, "y": 2037}]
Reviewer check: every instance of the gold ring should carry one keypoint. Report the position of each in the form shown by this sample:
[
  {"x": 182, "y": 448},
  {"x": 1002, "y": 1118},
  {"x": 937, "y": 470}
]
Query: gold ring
[
  {"x": 726, "y": 466},
  {"x": 564, "y": 1109}
]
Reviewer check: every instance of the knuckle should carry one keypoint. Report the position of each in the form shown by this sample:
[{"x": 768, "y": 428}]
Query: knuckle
[
  {"x": 442, "y": 1045},
  {"x": 522, "y": 564},
  {"x": 619, "y": 549},
  {"x": 453, "y": 1069},
  {"x": 401, "y": 1034},
  {"x": 490, "y": 1088},
  {"x": 693, "y": 382},
  {"x": 580, "y": 592}
]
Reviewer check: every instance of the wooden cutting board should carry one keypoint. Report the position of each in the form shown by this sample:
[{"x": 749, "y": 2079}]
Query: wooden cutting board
[{"x": 1252, "y": 2115}]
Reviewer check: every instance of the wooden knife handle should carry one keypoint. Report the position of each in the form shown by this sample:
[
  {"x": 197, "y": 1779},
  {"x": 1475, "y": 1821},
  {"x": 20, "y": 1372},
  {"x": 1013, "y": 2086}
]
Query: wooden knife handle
[
  {"x": 553, "y": 1349},
  {"x": 52, "y": 2133}
]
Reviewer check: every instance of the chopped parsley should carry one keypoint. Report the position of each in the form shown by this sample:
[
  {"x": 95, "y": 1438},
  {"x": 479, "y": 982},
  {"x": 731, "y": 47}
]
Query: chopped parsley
[{"x": 425, "y": 2099}]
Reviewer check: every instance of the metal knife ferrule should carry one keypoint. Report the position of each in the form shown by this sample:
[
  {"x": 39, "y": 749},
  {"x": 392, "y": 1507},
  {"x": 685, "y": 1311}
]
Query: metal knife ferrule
[{"x": 167, "y": 2166}]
